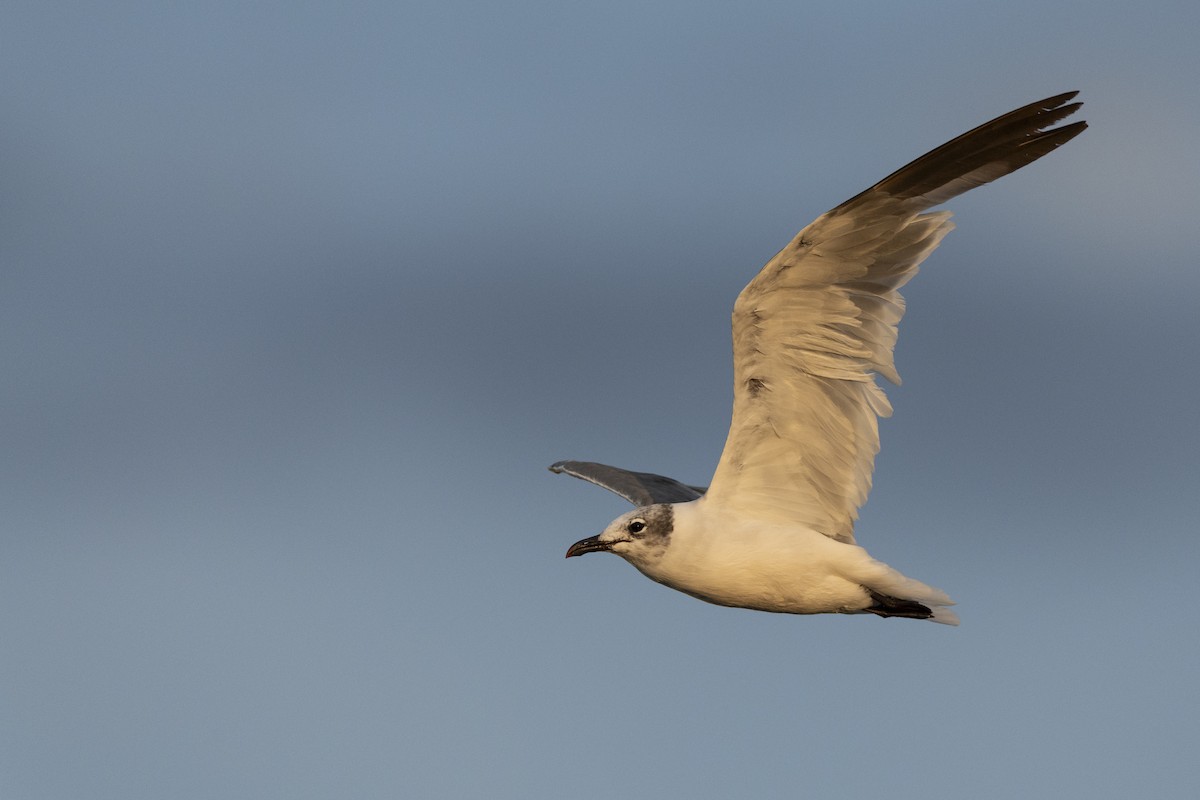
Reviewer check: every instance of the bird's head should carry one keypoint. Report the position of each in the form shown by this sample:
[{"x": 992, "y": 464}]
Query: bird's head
[{"x": 638, "y": 537}]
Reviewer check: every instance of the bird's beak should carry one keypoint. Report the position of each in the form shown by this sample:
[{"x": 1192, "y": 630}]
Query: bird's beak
[{"x": 592, "y": 544}]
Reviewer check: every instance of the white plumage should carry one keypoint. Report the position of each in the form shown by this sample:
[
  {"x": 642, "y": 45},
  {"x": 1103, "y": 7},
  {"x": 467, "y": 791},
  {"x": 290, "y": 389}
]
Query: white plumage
[{"x": 775, "y": 529}]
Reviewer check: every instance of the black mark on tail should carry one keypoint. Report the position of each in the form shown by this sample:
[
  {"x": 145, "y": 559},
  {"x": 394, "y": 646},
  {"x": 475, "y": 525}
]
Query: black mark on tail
[{"x": 887, "y": 606}]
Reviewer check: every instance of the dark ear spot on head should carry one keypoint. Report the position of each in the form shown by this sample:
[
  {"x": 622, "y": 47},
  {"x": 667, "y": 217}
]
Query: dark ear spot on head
[{"x": 659, "y": 523}]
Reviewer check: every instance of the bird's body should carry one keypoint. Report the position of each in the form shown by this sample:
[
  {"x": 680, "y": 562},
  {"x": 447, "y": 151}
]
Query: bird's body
[
  {"x": 732, "y": 560},
  {"x": 719, "y": 558},
  {"x": 775, "y": 529}
]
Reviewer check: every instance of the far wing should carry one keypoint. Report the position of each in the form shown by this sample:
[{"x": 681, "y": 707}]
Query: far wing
[
  {"x": 639, "y": 488},
  {"x": 819, "y": 320}
]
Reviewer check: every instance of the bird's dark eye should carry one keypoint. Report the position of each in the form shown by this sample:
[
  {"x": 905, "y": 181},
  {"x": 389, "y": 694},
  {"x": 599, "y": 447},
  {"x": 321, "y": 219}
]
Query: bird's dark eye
[{"x": 637, "y": 526}]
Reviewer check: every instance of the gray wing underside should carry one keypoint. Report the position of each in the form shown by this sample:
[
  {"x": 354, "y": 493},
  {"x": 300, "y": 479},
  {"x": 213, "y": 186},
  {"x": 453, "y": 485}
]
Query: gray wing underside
[{"x": 639, "y": 488}]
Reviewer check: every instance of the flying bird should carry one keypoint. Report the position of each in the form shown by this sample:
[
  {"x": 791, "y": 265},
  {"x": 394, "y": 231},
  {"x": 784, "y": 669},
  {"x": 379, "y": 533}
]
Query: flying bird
[{"x": 774, "y": 530}]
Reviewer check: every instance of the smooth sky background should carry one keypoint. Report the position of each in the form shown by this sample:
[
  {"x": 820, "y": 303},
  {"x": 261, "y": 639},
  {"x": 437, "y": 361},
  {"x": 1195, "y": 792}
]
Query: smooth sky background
[{"x": 299, "y": 300}]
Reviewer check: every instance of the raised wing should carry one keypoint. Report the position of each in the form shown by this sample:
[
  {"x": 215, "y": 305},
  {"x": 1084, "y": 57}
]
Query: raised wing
[
  {"x": 639, "y": 488},
  {"x": 819, "y": 320}
]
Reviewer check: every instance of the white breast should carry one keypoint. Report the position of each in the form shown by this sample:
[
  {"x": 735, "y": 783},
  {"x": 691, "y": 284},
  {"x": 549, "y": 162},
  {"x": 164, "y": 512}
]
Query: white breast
[{"x": 734, "y": 561}]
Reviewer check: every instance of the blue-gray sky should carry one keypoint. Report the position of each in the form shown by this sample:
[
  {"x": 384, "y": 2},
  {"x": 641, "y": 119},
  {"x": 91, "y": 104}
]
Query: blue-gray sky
[{"x": 299, "y": 300}]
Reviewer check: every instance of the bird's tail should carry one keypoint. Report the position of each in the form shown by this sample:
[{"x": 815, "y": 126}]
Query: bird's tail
[{"x": 944, "y": 615}]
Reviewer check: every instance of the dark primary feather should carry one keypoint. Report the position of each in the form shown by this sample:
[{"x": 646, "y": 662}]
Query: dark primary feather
[
  {"x": 639, "y": 488},
  {"x": 982, "y": 154}
]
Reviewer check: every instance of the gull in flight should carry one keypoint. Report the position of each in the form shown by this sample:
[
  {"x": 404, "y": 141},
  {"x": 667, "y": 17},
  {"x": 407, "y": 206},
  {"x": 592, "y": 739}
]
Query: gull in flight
[{"x": 774, "y": 530}]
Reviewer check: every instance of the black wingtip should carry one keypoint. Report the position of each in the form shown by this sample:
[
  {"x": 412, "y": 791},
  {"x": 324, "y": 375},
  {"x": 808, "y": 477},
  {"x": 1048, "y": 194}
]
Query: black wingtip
[
  {"x": 1058, "y": 99},
  {"x": 999, "y": 146}
]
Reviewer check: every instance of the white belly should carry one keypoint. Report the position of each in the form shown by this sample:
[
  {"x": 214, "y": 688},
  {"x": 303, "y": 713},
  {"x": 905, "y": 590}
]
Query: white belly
[{"x": 765, "y": 568}]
